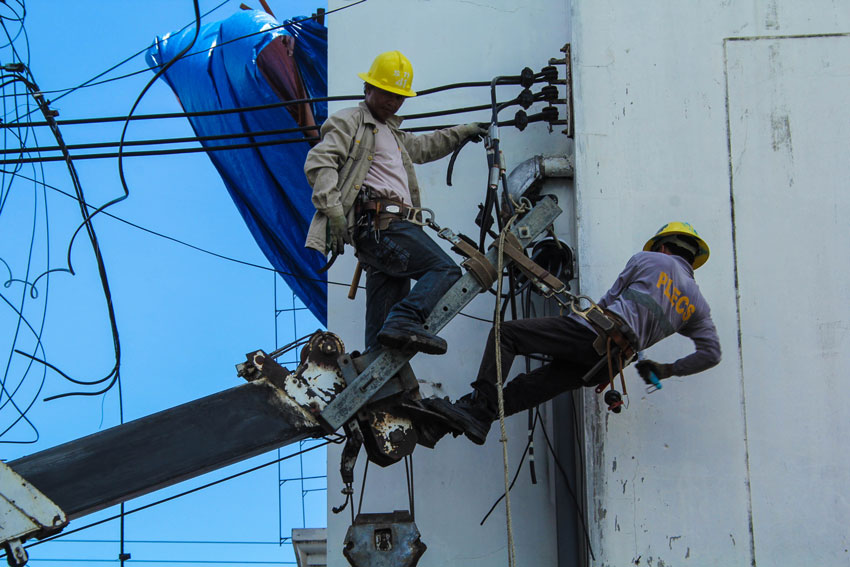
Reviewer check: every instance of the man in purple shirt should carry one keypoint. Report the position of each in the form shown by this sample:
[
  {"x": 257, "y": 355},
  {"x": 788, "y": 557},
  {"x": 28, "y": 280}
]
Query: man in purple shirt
[{"x": 654, "y": 297}]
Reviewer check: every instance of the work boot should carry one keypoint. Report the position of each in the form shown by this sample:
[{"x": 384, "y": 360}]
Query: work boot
[
  {"x": 430, "y": 432},
  {"x": 430, "y": 425},
  {"x": 403, "y": 334},
  {"x": 474, "y": 405},
  {"x": 471, "y": 421}
]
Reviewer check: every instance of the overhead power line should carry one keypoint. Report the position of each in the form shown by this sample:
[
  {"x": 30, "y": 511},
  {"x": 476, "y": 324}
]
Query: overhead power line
[
  {"x": 182, "y": 242},
  {"x": 97, "y": 120},
  {"x": 187, "y": 139},
  {"x": 161, "y": 152},
  {"x": 126, "y": 60},
  {"x": 216, "y": 137},
  {"x": 223, "y": 111}
]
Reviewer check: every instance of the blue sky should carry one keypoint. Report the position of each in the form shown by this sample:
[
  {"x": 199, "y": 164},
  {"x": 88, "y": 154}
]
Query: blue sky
[{"x": 185, "y": 318}]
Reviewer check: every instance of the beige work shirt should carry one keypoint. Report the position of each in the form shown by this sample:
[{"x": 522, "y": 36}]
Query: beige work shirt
[{"x": 337, "y": 166}]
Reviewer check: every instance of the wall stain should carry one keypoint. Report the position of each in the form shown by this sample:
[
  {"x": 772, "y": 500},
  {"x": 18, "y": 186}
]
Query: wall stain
[
  {"x": 671, "y": 539},
  {"x": 771, "y": 18},
  {"x": 780, "y": 125}
]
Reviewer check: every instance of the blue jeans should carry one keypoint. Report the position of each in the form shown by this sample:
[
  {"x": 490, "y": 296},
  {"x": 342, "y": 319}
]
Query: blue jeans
[{"x": 391, "y": 258}]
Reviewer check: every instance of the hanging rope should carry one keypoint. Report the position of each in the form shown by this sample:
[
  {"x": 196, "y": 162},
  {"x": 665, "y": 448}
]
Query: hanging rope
[{"x": 497, "y": 331}]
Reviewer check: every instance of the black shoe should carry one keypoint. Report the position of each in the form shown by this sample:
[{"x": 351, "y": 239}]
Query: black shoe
[
  {"x": 410, "y": 335},
  {"x": 473, "y": 424},
  {"x": 430, "y": 432}
]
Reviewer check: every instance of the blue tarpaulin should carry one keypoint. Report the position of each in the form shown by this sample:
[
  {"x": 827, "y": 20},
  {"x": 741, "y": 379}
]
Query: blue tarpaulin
[{"x": 267, "y": 183}]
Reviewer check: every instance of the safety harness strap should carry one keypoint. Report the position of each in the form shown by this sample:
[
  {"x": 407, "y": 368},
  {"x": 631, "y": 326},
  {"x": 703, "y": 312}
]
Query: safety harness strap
[{"x": 513, "y": 250}]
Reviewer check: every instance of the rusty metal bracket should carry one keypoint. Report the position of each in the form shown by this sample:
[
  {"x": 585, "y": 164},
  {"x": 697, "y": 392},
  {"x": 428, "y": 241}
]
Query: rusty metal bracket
[{"x": 316, "y": 381}]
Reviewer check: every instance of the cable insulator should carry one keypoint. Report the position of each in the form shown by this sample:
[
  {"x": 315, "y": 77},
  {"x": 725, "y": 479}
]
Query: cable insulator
[
  {"x": 520, "y": 120},
  {"x": 549, "y": 92},
  {"x": 526, "y": 77},
  {"x": 549, "y": 73},
  {"x": 526, "y": 98}
]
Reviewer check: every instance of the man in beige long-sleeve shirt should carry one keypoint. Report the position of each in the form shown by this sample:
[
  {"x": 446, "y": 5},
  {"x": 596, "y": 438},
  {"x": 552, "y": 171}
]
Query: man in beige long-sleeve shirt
[{"x": 363, "y": 188}]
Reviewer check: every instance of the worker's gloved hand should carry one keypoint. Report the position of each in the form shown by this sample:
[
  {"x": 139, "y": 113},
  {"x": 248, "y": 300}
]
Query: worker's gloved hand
[
  {"x": 476, "y": 131},
  {"x": 338, "y": 237},
  {"x": 662, "y": 371}
]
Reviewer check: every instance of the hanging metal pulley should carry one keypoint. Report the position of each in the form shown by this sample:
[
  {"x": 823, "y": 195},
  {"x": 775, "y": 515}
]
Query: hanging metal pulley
[{"x": 383, "y": 540}]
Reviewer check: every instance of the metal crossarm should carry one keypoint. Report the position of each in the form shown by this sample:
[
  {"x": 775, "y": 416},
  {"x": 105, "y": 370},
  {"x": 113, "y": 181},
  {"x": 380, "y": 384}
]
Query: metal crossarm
[{"x": 359, "y": 391}]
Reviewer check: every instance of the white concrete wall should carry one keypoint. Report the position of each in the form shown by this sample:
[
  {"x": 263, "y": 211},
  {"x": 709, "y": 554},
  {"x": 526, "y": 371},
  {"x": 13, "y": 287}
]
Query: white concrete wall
[
  {"x": 733, "y": 115},
  {"x": 729, "y": 114},
  {"x": 451, "y": 41}
]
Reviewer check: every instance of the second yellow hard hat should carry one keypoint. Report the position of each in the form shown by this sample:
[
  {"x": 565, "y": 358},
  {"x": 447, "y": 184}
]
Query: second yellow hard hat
[{"x": 681, "y": 229}]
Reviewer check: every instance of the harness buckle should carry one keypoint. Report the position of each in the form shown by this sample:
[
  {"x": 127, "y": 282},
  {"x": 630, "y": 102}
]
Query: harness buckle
[
  {"x": 417, "y": 215},
  {"x": 448, "y": 234}
]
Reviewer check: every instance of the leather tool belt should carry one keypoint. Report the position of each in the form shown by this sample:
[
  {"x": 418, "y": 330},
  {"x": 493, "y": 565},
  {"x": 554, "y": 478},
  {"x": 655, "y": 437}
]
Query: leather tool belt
[{"x": 385, "y": 211}]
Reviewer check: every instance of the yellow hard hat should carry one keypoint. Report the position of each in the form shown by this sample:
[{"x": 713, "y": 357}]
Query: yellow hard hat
[
  {"x": 391, "y": 71},
  {"x": 673, "y": 229}
]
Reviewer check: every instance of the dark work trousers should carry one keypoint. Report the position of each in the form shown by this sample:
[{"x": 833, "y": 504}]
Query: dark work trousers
[
  {"x": 570, "y": 344},
  {"x": 396, "y": 255}
]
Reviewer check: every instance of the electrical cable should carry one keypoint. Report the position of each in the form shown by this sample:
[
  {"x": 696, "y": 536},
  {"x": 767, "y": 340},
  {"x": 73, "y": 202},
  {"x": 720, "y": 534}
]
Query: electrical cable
[
  {"x": 236, "y": 562},
  {"x": 198, "y": 248},
  {"x": 140, "y": 71},
  {"x": 182, "y": 140},
  {"x": 120, "y": 155},
  {"x": 93, "y": 239},
  {"x": 23, "y": 413},
  {"x": 126, "y": 60},
  {"x": 570, "y": 490},
  {"x": 255, "y": 144},
  {"x": 171, "y": 541},
  {"x": 362, "y": 490},
  {"x": 20, "y": 308},
  {"x": 527, "y": 309},
  {"x": 271, "y": 105},
  {"x": 188, "y": 114},
  {"x": 20, "y": 17},
  {"x": 186, "y": 244},
  {"x": 516, "y": 475},
  {"x": 49, "y": 115}
]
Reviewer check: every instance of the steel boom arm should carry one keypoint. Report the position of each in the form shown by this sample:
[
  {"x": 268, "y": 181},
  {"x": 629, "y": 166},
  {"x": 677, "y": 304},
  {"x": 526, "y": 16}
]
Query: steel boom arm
[{"x": 126, "y": 461}]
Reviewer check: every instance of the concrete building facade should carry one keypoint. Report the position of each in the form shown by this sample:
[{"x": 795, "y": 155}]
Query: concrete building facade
[{"x": 729, "y": 114}]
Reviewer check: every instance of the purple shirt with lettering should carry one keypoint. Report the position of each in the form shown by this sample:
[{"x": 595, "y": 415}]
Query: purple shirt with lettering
[{"x": 656, "y": 295}]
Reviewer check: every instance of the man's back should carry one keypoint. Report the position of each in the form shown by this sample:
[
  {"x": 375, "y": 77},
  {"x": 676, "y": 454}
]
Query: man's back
[{"x": 657, "y": 296}]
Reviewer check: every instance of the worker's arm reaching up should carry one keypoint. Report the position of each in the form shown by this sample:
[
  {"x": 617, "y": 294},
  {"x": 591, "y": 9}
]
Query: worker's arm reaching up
[{"x": 425, "y": 148}]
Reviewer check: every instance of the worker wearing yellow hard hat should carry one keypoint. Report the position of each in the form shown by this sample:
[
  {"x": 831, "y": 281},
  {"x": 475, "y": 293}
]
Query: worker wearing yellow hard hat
[
  {"x": 365, "y": 190},
  {"x": 391, "y": 72},
  {"x": 683, "y": 235},
  {"x": 655, "y": 296}
]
